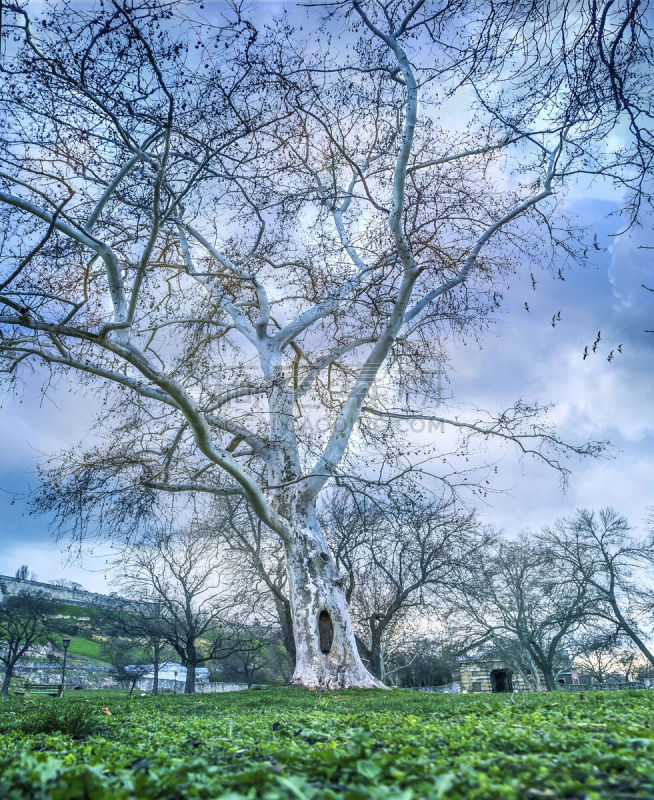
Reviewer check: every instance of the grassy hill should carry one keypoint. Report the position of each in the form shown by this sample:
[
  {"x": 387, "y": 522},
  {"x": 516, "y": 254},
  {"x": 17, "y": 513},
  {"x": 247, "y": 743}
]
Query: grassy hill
[{"x": 85, "y": 626}]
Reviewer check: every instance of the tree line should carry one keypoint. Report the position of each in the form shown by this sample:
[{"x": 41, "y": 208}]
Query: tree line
[{"x": 426, "y": 586}]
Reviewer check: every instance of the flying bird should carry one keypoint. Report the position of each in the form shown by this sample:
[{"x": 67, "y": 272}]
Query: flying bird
[
  {"x": 526, "y": 307},
  {"x": 533, "y": 281},
  {"x": 554, "y": 320},
  {"x": 619, "y": 348},
  {"x": 585, "y": 353},
  {"x": 597, "y": 341},
  {"x": 609, "y": 358}
]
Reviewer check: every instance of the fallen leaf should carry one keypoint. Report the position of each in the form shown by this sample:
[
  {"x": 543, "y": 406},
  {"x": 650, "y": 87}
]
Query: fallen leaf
[{"x": 106, "y": 711}]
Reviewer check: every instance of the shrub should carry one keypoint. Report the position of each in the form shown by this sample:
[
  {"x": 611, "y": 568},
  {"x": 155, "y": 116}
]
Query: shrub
[{"x": 72, "y": 718}]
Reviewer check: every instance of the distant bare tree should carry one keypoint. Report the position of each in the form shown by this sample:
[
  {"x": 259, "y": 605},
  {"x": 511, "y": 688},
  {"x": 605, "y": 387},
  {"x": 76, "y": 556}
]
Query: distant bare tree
[
  {"x": 400, "y": 555},
  {"x": 129, "y": 663},
  {"x": 23, "y": 624},
  {"x": 423, "y": 661},
  {"x": 175, "y": 581},
  {"x": 23, "y": 573},
  {"x": 516, "y": 595},
  {"x": 140, "y": 623},
  {"x": 255, "y": 559},
  {"x": 599, "y": 552},
  {"x": 251, "y": 654},
  {"x": 604, "y": 661}
]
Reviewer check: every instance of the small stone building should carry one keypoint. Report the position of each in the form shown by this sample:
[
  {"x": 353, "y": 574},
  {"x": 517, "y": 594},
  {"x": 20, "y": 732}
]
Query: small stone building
[
  {"x": 492, "y": 674},
  {"x": 489, "y": 674}
]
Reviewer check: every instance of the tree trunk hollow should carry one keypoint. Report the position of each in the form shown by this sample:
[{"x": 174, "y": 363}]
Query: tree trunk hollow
[
  {"x": 326, "y": 650},
  {"x": 326, "y": 631}
]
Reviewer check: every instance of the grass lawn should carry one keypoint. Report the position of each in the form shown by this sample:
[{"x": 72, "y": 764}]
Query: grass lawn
[{"x": 284, "y": 743}]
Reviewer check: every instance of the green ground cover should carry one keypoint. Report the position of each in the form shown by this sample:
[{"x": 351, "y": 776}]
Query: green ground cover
[{"x": 309, "y": 745}]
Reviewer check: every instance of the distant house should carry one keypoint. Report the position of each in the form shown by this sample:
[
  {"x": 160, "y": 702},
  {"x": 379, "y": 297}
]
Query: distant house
[
  {"x": 169, "y": 670},
  {"x": 171, "y": 676}
]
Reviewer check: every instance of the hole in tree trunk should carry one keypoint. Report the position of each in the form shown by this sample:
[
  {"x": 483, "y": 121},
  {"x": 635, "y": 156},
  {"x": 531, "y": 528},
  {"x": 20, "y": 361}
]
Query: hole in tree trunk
[
  {"x": 324, "y": 557},
  {"x": 325, "y": 631}
]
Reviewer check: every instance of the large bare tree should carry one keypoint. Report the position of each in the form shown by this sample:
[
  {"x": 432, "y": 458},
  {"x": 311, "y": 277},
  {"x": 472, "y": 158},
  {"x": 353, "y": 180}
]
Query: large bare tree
[
  {"x": 242, "y": 233},
  {"x": 23, "y": 624}
]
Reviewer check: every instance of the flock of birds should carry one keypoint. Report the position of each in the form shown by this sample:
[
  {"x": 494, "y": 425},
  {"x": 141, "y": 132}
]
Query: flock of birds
[
  {"x": 610, "y": 356},
  {"x": 557, "y": 318}
]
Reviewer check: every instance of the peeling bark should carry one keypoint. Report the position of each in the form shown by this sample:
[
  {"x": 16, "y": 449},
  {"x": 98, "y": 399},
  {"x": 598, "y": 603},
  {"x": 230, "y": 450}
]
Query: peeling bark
[
  {"x": 286, "y": 623},
  {"x": 315, "y": 586}
]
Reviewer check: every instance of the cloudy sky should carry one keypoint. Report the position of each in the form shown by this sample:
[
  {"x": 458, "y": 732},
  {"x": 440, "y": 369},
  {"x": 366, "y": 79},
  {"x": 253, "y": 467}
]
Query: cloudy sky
[{"x": 521, "y": 356}]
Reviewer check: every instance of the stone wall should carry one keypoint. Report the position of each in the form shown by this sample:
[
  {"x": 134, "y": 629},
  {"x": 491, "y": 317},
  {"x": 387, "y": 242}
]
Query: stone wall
[
  {"x": 168, "y": 685},
  {"x": 86, "y": 674},
  {"x": 62, "y": 594},
  {"x": 447, "y": 688}
]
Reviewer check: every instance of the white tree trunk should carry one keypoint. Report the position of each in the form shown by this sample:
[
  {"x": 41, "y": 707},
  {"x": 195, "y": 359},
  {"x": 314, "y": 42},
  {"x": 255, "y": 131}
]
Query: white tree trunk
[
  {"x": 326, "y": 655},
  {"x": 326, "y": 650}
]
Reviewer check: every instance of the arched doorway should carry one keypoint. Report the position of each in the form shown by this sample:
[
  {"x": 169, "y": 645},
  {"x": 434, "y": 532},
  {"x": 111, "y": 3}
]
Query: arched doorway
[{"x": 501, "y": 680}]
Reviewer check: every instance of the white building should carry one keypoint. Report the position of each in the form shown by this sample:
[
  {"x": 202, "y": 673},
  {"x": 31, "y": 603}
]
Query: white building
[{"x": 172, "y": 677}]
